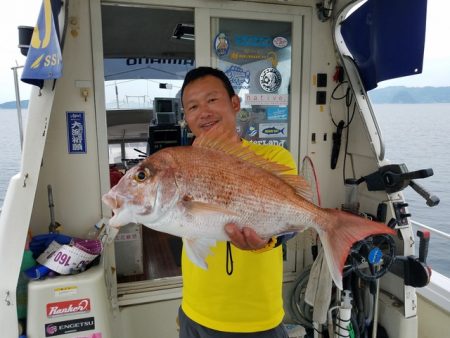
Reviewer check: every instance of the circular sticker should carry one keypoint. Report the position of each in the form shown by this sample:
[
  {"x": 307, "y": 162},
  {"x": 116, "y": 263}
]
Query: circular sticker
[
  {"x": 270, "y": 79},
  {"x": 244, "y": 115},
  {"x": 221, "y": 44},
  {"x": 280, "y": 42}
]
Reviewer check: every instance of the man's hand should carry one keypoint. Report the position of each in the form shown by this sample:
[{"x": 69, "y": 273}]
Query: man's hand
[{"x": 245, "y": 239}]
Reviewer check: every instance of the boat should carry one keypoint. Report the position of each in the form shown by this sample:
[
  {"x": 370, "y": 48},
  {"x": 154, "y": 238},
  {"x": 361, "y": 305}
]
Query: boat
[{"x": 105, "y": 95}]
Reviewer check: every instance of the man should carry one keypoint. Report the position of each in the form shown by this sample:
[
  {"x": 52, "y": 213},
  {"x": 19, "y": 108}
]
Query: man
[{"x": 240, "y": 295}]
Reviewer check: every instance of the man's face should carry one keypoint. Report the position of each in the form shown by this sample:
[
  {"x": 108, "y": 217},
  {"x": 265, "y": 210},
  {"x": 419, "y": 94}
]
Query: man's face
[{"x": 206, "y": 104}]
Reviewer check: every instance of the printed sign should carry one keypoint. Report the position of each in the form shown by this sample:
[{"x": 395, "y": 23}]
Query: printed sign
[
  {"x": 238, "y": 77},
  {"x": 272, "y": 130},
  {"x": 69, "y": 326},
  {"x": 65, "y": 291},
  {"x": 221, "y": 44},
  {"x": 252, "y": 41},
  {"x": 65, "y": 259},
  {"x": 92, "y": 335},
  {"x": 146, "y": 67},
  {"x": 277, "y": 113},
  {"x": 252, "y": 131},
  {"x": 126, "y": 237},
  {"x": 271, "y": 56},
  {"x": 271, "y": 142},
  {"x": 280, "y": 42},
  {"x": 244, "y": 115},
  {"x": 267, "y": 99},
  {"x": 68, "y": 307},
  {"x": 270, "y": 79},
  {"x": 76, "y": 133}
]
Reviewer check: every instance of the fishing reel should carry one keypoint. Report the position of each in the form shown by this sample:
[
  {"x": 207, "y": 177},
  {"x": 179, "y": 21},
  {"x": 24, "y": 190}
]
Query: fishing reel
[{"x": 372, "y": 257}]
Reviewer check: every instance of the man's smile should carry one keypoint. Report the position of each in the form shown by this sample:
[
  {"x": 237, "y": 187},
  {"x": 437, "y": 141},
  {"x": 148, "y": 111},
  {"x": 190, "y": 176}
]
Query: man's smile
[{"x": 209, "y": 124}]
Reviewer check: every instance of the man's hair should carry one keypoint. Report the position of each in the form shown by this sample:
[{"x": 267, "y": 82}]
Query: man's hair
[{"x": 200, "y": 72}]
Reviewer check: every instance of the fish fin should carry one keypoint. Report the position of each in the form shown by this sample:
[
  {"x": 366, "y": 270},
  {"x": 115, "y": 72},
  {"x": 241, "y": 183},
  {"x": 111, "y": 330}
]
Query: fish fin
[
  {"x": 300, "y": 185},
  {"x": 198, "y": 249},
  {"x": 217, "y": 139},
  {"x": 194, "y": 207},
  {"x": 340, "y": 233}
]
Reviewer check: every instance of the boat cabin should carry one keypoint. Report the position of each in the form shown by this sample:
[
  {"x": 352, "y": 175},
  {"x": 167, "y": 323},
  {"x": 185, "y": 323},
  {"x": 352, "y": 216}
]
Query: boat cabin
[{"x": 302, "y": 70}]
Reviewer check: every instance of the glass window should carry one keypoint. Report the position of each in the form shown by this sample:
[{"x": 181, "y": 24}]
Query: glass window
[
  {"x": 256, "y": 56},
  {"x": 144, "y": 68},
  {"x": 115, "y": 153},
  {"x": 135, "y": 150}
]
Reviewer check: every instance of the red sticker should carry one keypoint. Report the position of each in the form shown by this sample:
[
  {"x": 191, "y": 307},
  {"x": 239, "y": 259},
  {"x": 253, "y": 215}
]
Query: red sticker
[{"x": 68, "y": 307}]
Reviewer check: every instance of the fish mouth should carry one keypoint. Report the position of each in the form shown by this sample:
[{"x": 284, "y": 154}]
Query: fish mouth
[
  {"x": 110, "y": 201},
  {"x": 121, "y": 217},
  {"x": 123, "y": 211},
  {"x": 120, "y": 214}
]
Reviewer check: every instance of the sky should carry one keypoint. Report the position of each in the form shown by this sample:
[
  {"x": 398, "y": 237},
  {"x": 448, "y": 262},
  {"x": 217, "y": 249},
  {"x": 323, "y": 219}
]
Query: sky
[{"x": 436, "y": 68}]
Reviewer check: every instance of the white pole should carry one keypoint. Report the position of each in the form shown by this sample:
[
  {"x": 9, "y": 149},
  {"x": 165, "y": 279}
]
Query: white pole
[
  {"x": 117, "y": 94},
  {"x": 18, "y": 105},
  {"x": 344, "y": 316}
]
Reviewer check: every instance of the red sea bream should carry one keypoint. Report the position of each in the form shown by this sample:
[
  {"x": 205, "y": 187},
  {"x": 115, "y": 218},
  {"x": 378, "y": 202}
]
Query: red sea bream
[{"x": 193, "y": 191}]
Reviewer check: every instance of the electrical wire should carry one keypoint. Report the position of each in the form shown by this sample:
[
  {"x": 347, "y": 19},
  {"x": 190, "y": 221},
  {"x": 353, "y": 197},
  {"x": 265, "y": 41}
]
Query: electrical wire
[
  {"x": 309, "y": 173},
  {"x": 349, "y": 100},
  {"x": 301, "y": 312},
  {"x": 348, "y": 96}
]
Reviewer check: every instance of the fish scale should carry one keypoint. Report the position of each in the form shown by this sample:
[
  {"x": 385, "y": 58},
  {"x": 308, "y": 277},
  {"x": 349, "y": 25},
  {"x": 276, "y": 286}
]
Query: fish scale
[{"x": 261, "y": 195}]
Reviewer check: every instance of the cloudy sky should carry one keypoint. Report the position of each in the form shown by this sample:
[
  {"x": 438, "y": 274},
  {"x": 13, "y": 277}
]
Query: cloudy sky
[{"x": 436, "y": 68}]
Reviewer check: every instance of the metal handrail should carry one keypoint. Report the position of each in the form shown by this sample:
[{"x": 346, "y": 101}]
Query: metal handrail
[
  {"x": 18, "y": 104},
  {"x": 433, "y": 230}
]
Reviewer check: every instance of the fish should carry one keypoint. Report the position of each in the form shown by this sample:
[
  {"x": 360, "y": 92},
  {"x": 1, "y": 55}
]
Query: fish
[
  {"x": 193, "y": 191},
  {"x": 273, "y": 131}
]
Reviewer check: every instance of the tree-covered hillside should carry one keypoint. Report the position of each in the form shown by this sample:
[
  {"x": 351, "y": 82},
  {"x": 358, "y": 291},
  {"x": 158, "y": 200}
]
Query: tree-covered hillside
[
  {"x": 12, "y": 104},
  {"x": 400, "y": 94}
]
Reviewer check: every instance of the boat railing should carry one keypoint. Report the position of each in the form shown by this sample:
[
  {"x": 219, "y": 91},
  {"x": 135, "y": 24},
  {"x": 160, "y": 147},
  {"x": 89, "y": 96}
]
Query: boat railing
[
  {"x": 435, "y": 231},
  {"x": 438, "y": 290},
  {"x": 431, "y": 229},
  {"x": 18, "y": 104}
]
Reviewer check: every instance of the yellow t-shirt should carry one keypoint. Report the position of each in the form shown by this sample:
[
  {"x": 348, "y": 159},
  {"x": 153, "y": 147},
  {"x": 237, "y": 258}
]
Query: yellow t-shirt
[{"x": 248, "y": 300}]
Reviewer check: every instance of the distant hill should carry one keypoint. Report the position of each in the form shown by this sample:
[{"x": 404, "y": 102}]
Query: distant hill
[
  {"x": 400, "y": 94},
  {"x": 12, "y": 104}
]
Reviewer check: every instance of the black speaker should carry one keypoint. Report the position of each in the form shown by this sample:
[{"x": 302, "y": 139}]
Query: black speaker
[{"x": 25, "y": 34}]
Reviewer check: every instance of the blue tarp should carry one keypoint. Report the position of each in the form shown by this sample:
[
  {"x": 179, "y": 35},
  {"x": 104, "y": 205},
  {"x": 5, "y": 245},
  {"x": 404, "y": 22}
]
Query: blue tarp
[
  {"x": 386, "y": 39},
  {"x": 147, "y": 68}
]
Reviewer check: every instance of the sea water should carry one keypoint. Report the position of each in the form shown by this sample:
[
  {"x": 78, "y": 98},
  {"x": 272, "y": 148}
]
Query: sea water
[
  {"x": 9, "y": 148},
  {"x": 417, "y": 135}
]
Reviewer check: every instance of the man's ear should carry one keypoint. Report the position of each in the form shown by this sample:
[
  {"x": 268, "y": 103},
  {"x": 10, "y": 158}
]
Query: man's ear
[{"x": 236, "y": 103}]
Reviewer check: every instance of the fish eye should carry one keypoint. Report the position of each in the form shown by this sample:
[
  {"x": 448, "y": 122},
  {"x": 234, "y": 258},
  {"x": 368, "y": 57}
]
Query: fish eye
[{"x": 142, "y": 175}]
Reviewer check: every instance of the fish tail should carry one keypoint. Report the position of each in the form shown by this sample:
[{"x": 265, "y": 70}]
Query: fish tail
[{"x": 340, "y": 232}]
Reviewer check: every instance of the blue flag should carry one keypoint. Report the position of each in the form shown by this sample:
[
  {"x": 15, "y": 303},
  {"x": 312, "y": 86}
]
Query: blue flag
[{"x": 44, "y": 59}]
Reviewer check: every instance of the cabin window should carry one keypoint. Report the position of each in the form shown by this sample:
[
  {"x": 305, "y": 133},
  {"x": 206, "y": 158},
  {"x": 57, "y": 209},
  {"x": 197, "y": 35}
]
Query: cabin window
[
  {"x": 144, "y": 69},
  {"x": 115, "y": 153},
  {"x": 136, "y": 150},
  {"x": 256, "y": 56}
]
